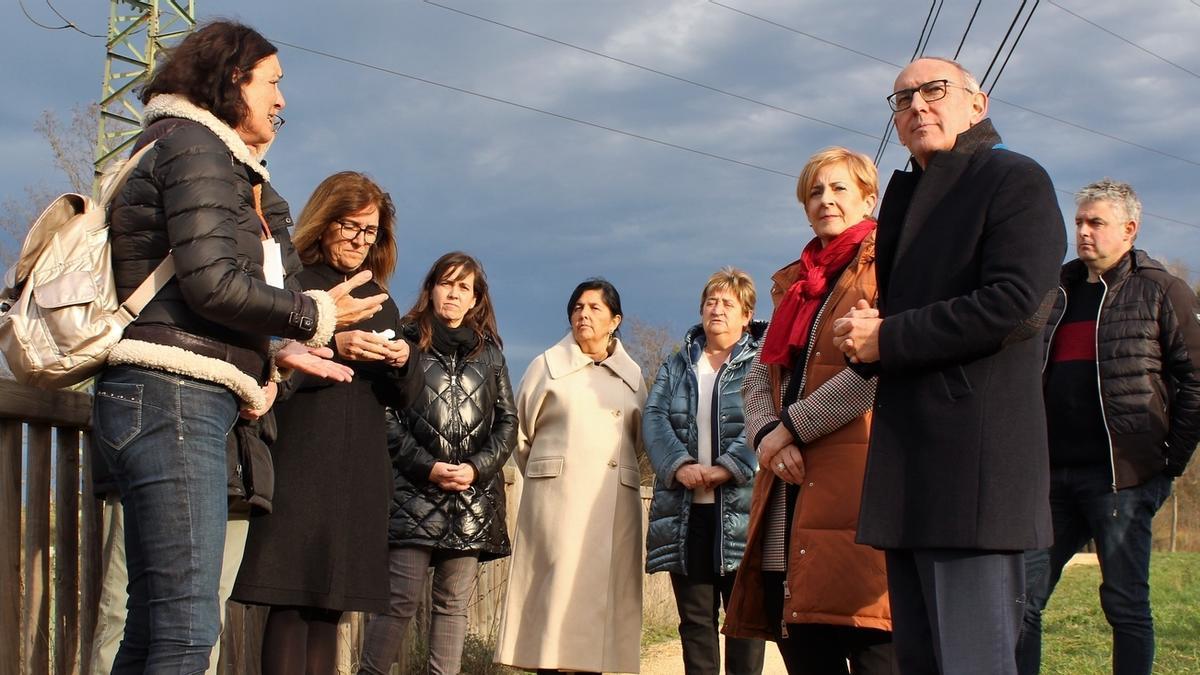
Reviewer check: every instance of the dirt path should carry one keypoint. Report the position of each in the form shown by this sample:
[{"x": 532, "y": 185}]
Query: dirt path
[{"x": 666, "y": 658}]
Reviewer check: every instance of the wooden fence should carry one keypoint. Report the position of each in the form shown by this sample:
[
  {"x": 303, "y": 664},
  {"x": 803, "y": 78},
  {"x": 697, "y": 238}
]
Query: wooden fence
[{"x": 41, "y": 437}]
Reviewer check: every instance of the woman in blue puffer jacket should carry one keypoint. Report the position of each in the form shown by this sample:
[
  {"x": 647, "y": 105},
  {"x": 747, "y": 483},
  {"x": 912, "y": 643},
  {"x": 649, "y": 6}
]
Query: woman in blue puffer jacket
[{"x": 704, "y": 471}]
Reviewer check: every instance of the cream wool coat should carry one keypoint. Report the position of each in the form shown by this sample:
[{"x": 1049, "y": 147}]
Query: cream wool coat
[{"x": 575, "y": 590}]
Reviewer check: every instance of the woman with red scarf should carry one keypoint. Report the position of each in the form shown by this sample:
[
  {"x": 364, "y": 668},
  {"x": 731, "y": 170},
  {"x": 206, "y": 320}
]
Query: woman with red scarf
[{"x": 803, "y": 581}]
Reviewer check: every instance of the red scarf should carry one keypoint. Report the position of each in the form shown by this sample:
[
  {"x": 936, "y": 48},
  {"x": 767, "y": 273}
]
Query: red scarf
[{"x": 797, "y": 309}]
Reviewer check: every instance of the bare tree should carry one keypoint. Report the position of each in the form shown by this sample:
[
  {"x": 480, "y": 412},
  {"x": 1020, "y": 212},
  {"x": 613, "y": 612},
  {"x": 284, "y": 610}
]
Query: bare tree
[
  {"x": 71, "y": 143},
  {"x": 649, "y": 344}
]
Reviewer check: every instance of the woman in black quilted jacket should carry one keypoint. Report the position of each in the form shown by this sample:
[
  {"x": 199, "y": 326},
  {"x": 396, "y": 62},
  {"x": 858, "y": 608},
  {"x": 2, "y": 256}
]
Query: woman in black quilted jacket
[
  {"x": 198, "y": 354},
  {"x": 448, "y": 449}
]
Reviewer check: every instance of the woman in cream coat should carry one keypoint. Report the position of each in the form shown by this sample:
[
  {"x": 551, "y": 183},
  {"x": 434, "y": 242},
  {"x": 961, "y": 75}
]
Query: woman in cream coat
[{"x": 575, "y": 590}]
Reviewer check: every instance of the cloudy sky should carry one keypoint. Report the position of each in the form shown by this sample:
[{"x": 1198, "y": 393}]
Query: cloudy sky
[{"x": 757, "y": 86}]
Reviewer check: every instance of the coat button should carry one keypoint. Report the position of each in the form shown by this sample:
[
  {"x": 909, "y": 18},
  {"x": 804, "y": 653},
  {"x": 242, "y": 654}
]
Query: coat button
[
  {"x": 616, "y": 413},
  {"x": 810, "y": 485},
  {"x": 794, "y": 615},
  {"x": 612, "y": 463},
  {"x": 802, "y": 551},
  {"x": 817, "y": 355}
]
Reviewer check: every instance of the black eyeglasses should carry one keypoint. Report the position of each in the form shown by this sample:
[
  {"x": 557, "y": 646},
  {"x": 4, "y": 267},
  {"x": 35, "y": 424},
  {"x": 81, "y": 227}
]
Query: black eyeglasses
[
  {"x": 277, "y": 122},
  {"x": 350, "y": 231},
  {"x": 930, "y": 92}
]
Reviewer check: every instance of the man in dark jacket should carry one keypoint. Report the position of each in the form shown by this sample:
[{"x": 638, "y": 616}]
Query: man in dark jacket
[
  {"x": 1122, "y": 383},
  {"x": 957, "y": 476}
]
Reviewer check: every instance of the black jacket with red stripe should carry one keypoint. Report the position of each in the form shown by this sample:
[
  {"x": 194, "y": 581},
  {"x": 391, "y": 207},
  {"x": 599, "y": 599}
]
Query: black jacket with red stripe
[{"x": 1148, "y": 362}]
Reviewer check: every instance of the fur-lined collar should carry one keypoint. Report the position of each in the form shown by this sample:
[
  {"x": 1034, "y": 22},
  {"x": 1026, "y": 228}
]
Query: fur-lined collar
[
  {"x": 172, "y": 105},
  {"x": 566, "y": 357}
]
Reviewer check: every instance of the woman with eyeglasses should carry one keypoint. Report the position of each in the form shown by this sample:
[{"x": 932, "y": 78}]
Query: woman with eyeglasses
[{"x": 324, "y": 548}]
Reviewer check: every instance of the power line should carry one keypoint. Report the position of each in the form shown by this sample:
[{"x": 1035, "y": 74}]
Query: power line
[
  {"x": 1014, "y": 46},
  {"x": 995, "y": 99},
  {"x": 70, "y": 23},
  {"x": 497, "y": 99},
  {"x": 35, "y": 21},
  {"x": 648, "y": 69},
  {"x": 1127, "y": 40},
  {"x": 807, "y": 35},
  {"x": 967, "y": 31},
  {"x": 926, "y": 32},
  {"x": 1000, "y": 47},
  {"x": 936, "y": 16}
]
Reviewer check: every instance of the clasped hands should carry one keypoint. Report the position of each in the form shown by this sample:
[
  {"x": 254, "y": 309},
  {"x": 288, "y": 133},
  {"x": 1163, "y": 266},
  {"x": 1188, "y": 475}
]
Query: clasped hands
[
  {"x": 779, "y": 454},
  {"x": 857, "y": 333},
  {"x": 452, "y": 477},
  {"x": 693, "y": 476}
]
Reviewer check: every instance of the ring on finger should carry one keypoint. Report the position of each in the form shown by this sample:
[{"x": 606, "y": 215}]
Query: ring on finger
[{"x": 779, "y": 466}]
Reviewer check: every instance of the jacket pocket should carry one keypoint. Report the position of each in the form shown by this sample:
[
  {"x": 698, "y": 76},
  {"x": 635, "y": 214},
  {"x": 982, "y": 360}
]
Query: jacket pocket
[
  {"x": 630, "y": 477},
  {"x": 544, "y": 467},
  {"x": 118, "y": 413},
  {"x": 956, "y": 382}
]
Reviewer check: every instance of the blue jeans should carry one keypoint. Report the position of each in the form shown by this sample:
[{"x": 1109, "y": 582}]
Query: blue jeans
[
  {"x": 163, "y": 436},
  {"x": 1084, "y": 507}
]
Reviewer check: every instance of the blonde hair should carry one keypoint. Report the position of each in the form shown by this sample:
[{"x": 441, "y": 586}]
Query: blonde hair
[
  {"x": 735, "y": 281},
  {"x": 342, "y": 194},
  {"x": 861, "y": 168}
]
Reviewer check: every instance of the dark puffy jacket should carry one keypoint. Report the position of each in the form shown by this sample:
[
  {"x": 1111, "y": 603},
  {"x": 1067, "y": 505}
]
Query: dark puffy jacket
[
  {"x": 1148, "y": 362},
  {"x": 669, "y": 430},
  {"x": 192, "y": 195},
  {"x": 464, "y": 413}
]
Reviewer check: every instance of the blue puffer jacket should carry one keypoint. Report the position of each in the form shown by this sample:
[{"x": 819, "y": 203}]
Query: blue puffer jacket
[{"x": 669, "y": 429}]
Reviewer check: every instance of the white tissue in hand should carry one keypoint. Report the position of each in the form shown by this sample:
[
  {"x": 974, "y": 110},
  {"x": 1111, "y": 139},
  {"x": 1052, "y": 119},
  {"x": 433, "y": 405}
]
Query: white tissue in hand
[{"x": 387, "y": 334}]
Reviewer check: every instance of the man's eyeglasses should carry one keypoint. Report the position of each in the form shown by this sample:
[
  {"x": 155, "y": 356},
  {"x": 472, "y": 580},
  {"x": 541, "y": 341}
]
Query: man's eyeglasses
[
  {"x": 930, "y": 92},
  {"x": 350, "y": 231}
]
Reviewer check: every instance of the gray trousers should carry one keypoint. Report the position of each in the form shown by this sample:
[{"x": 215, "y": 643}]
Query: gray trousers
[
  {"x": 454, "y": 575},
  {"x": 956, "y": 611}
]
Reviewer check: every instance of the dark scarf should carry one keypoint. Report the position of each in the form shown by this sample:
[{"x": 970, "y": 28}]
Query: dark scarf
[
  {"x": 819, "y": 267},
  {"x": 451, "y": 341}
]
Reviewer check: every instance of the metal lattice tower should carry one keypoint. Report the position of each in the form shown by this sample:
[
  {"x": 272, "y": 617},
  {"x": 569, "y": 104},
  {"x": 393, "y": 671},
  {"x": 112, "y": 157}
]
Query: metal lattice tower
[{"x": 137, "y": 31}]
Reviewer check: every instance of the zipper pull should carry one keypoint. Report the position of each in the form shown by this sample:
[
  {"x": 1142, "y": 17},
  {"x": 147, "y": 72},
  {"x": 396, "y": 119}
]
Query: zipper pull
[
  {"x": 786, "y": 593},
  {"x": 783, "y": 629}
]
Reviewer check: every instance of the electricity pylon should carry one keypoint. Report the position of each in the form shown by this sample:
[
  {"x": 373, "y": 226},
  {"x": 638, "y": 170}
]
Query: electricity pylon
[{"x": 137, "y": 31}]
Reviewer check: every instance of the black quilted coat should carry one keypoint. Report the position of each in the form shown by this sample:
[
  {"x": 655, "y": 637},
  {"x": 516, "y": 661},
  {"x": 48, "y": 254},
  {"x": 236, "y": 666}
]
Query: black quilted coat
[
  {"x": 1148, "y": 361},
  {"x": 464, "y": 413}
]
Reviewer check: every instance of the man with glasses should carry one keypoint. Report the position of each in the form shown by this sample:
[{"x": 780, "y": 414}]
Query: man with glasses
[{"x": 969, "y": 243}]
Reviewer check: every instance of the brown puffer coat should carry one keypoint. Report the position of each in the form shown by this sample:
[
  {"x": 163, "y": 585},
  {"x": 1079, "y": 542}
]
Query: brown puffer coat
[{"x": 831, "y": 579}]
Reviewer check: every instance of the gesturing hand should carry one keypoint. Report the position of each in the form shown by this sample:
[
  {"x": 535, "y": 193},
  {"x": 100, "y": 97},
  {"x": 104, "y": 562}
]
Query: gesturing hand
[
  {"x": 351, "y": 310},
  {"x": 313, "y": 361}
]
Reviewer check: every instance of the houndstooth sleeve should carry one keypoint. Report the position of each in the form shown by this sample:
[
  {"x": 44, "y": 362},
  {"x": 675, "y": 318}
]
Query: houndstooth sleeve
[{"x": 844, "y": 397}]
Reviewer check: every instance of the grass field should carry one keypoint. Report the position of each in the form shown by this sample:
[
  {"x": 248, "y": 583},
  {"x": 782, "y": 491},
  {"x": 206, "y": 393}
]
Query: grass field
[{"x": 1076, "y": 638}]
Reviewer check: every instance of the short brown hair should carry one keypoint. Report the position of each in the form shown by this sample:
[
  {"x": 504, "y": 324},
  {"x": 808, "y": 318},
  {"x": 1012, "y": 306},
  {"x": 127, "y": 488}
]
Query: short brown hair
[
  {"x": 735, "y": 281},
  {"x": 340, "y": 195},
  {"x": 861, "y": 168},
  {"x": 208, "y": 67}
]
